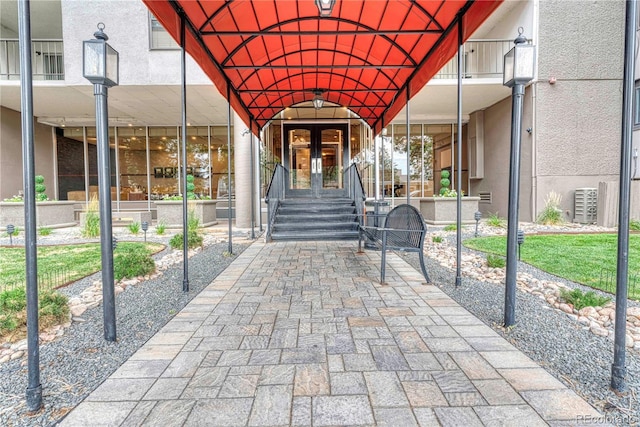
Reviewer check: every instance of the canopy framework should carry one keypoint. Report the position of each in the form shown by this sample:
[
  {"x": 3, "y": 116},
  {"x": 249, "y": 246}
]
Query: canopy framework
[{"x": 370, "y": 56}]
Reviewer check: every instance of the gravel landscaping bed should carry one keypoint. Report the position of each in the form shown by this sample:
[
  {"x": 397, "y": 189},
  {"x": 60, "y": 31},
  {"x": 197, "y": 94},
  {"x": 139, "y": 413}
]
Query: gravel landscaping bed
[
  {"x": 76, "y": 363},
  {"x": 564, "y": 347}
]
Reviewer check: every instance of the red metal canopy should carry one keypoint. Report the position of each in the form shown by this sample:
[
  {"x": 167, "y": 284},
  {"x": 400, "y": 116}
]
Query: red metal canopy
[{"x": 369, "y": 55}]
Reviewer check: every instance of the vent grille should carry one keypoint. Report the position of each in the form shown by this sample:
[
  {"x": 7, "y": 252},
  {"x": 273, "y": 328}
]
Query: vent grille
[
  {"x": 485, "y": 197},
  {"x": 585, "y": 205}
]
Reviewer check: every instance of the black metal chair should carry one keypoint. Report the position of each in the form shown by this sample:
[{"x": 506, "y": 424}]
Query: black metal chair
[{"x": 403, "y": 229}]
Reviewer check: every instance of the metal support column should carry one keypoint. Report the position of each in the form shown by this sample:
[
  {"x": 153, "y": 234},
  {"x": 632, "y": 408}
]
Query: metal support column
[
  {"x": 185, "y": 212},
  {"x": 34, "y": 388},
  {"x": 253, "y": 185},
  {"x": 408, "y": 150},
  {"x": 618, "y": 368},
  {"x": 230, "y": 246},
  {"x": 459, "y": 161}
]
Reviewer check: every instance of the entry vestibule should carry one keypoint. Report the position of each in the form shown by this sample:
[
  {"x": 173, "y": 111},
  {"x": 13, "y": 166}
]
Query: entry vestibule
[{"x": 316, "y": 156}]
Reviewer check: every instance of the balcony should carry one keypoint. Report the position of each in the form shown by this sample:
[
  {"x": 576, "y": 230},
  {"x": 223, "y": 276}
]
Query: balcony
[
  {"x": 47, "y": 60},
  {"x": 483, "y": 59}
]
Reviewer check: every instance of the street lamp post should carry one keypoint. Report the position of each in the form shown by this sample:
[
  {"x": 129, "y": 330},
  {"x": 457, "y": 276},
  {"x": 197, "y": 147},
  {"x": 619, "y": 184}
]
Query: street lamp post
[
  {"x": 100, "y": 67},
  {"x": 477, "y": 216},
  {"x": 518, "y": 71}
]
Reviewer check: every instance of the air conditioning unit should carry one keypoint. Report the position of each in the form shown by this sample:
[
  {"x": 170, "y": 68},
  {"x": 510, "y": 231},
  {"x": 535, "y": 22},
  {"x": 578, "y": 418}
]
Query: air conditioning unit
[{"x": 585, "y": 205}]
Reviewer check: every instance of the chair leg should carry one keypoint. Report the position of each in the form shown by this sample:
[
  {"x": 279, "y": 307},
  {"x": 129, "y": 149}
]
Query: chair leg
[
  {"x": 422, "y": 266},
  {"x": 384, "y": 257}
]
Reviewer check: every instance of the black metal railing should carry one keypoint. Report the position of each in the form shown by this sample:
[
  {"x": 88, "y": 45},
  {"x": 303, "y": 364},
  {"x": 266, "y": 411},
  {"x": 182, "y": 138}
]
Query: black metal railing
[
  {"x": 47, "y": 59},
  {"x": 355, "y": 189},
  {"x": 275, "y": 193}
]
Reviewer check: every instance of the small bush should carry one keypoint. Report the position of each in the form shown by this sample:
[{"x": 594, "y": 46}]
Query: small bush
[
  {"x": 132, "y": 261},
  {"x": 193, "y": 240},
  {"x": 581, "y": 300},
  {"x": 16, "y": 231},
  {"x": 496, "y": 261},
  {"x": 40, "y": 188},
  {"x": 437, "y": 239},
  {"x": 495, "y": 221},
  {"x": 13, "y": 300},
  {"x": 134, "y": 228},
  {"x": 634, "y": 224},
  {"x": 53, "y": 309},
  {"x": 551, "y": 214},
  {"x": 161, "y": 227},
  {"x": 451, "y": 227},
  {"x": 45, "y": 231},
  {"x": 193, "y": 222},
  {"x": 92, "y": 220}
]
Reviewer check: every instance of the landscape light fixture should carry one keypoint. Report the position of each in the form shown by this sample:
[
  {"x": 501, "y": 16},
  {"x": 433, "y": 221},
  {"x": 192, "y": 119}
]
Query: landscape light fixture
[
  {"x": 325, "y": 7},
  {"x": 145, "y": 227},
  {"x": 519, "y": 66},
  {"x": 520, "y": 241},
  {"x": 477, "y": 216},
  {"x": 318, "y": 100},
  {"x": 10, "y": 230}
]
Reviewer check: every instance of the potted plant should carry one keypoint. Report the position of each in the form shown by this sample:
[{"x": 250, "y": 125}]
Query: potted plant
[{"x": 442, "y": 209}]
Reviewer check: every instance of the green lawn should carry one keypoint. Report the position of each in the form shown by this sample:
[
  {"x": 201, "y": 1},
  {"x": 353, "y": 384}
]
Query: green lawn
[
  {"x": 76, "y": 261},
  {"x": 589, "y": 259}
]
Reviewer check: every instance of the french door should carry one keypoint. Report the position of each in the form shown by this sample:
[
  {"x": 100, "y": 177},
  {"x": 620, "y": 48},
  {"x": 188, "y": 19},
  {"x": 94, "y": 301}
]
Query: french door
[{"x": 315, "y": 157}]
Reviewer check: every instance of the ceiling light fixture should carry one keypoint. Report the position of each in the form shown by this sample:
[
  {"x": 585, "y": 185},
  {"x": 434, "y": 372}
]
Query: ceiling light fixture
[
  {"x": 325, "y": 7},
  {"x": 318, "y": 100}
]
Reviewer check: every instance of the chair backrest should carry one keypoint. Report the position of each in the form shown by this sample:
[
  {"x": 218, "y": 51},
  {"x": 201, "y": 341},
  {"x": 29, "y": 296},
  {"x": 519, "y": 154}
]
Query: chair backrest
[{"x": 405, "y": 217}]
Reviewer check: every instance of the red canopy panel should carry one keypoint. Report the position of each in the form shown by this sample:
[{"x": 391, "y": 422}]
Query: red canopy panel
[{"x": 369, "y": 55}]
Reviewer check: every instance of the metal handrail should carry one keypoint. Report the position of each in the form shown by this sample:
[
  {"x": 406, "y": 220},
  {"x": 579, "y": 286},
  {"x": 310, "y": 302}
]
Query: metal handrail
[
  {"x": 355, "y": 189},
  {"x": 482, "y": 59},
  {"x": 275, "y": 193},
  {"x": 47, "y": 59}
]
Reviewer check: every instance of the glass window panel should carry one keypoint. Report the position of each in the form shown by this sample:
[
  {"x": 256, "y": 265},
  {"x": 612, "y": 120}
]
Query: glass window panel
[
  {"x": 159, "y": 37},
  {"x": 93, "y": 162},
  {"x": 198, "y": 159},
  {"x": 132, "y": 163},
  {"x": 163, "y": 154},
  {"x": 219, "y": 162},
  {"x": 70, "y": 155}
]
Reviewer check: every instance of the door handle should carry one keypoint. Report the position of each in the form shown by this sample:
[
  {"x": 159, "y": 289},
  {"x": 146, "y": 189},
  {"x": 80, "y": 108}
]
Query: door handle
[
  {"x": 319, "y": 164},
  {"x": 313, "y": 166}
]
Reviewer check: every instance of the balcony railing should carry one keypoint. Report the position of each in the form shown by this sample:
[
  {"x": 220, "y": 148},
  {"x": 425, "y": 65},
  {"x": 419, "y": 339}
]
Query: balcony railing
[
  {"x": 47, "y": 60},
  {"x": 482, "y": 59}
]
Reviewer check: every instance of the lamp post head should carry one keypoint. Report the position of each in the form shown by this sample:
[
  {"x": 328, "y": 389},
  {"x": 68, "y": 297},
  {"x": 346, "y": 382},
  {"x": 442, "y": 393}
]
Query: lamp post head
[
  {"x": 477, "y": 216},
  {"x": 520, "y": 237},
  {"x": 100, "y": 60},
  {"x": 145, "y": 226},
  {"x": 519, "y": 62}
]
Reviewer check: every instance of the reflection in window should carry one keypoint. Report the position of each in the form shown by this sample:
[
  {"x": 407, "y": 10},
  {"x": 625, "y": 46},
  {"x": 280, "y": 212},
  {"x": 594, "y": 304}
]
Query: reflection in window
[
  {"x": 198, "y": 159},
  {"x": 132, "y": 163},
  {"x": 70, "y": 155},
  {"x": 163, "y": 155}
]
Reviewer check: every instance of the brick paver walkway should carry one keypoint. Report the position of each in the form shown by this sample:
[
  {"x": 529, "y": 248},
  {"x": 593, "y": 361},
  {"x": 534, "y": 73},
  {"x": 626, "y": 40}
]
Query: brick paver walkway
[{"x": 302, "y": 333}]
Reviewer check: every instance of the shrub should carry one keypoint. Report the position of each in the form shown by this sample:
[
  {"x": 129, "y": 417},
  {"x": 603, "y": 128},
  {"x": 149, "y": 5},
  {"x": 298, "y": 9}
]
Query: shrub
[
  {"x": 53, "y": 309},
  {"x": 451, "y": 227},
  {"x": 581, "y": 300},
  {"x": 551, "y": 214},
  {"x": 437, "y": 239},
  {"x": 161, "y": 227},
  {"x": 92, "y": 220},
  {"x": 193, "y": 222},
  {"x": 634, "y": 224},
  {"x": 40, "y": 189},
  {"x": 134, "y": 228},
  {"x": 193, "y": 240},
  {"x": 496, "y": 261},
  {"x": 494, "y": 220},
  {"x": 190, "y": 187},
  {"x": 13, "y": 300},
  {"x": 45, "y": 231},
  {"x": 132, "y": 261}
]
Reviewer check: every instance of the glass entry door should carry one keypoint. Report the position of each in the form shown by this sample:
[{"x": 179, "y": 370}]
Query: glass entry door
[{"x": 314, "y": 155}]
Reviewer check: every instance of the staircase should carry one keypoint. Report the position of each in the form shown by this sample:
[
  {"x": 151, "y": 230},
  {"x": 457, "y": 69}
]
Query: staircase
[{"x": 316, "y": 219}]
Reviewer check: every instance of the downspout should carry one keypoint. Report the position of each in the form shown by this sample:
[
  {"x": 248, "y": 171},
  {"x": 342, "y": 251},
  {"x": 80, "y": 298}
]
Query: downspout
[{"x": 534, "y": 116}]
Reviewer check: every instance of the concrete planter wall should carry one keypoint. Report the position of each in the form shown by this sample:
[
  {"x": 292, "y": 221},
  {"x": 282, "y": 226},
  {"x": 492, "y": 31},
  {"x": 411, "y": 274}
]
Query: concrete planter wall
[
  {"x": 442, "y": 210},
  {"x": 170, "y": 212},
  {"x": 48, "y": 214}
]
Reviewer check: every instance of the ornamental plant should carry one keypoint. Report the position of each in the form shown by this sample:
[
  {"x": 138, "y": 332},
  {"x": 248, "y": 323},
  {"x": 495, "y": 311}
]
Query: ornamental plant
[
  {"x": 40, "y": 189},
  {"x": 444, "y": 183}
]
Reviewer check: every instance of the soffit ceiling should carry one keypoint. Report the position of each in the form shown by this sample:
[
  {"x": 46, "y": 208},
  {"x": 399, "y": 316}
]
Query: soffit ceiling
[{"x": 370, "y": 56}]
